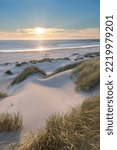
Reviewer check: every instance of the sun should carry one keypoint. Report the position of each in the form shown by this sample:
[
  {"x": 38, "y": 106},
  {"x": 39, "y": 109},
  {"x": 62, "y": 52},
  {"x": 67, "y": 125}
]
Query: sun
[{"x": 39, "y": 31}]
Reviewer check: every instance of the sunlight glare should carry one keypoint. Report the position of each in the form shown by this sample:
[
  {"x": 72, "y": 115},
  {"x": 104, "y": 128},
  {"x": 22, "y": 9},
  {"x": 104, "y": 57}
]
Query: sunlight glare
[{"x": 39, "y": 31}]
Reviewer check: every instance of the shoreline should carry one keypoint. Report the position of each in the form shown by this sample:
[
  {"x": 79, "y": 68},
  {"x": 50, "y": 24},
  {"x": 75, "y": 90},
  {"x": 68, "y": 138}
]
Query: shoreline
[
  {"x": 48, "y": 49},
  {"x": 12, "y": 57}
]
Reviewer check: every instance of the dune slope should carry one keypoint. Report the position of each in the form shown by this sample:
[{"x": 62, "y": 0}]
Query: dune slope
[{"x": 41, "y": 97}]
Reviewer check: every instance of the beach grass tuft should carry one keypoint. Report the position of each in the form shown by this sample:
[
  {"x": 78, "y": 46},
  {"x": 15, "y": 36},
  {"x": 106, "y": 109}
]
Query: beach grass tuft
[
  {"x": 9, "y": 72},
  {"x": 20, "y": 64},
  {"x": 3, "y": 95},
  {"x": 10, "y": 122},
  {"x": 75, "y": 130},
  {"x": 64, "y": 68},
  {"x": 87, "y": 74},
  {"x": 27, "y": 72}
]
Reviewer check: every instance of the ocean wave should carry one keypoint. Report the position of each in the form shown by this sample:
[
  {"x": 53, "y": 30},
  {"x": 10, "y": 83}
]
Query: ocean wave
[{"x": 48, "y": 49}]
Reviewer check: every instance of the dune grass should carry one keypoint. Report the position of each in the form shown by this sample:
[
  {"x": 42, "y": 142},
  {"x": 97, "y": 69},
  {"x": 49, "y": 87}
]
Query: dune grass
[
  {"x": 9, "y": 72},
  {"x": 87, "y": 74},
  {"x": 10, "y": 122},
  {"x": 48, "y": 60},
  {"x": 27, "y": 72},
  {"x": 92, "y": 54},
  {"x": 39, "y": 61},
  {"x": 64, "y": 68},
  {"x": 78, "y": 129},
  {"x": 20, "y": 64},
  {"x": 3, "y": 95}
]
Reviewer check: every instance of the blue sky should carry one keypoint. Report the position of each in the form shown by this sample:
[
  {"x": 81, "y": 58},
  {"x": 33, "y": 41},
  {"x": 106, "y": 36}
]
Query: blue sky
[{"x": 59, "y": 14}]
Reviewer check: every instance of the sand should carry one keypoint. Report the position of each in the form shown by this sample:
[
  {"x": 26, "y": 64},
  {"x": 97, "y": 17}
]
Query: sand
[
  {"x": 36, "y": 55},
  {"x": 37, "y": 98}
]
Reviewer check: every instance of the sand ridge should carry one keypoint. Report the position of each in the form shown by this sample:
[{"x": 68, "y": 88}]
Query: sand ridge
[{"x": 39, "y": 98}]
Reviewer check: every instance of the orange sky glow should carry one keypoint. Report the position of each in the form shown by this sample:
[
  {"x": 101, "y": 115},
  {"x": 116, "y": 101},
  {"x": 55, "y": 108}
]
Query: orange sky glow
[{"x": 51, "y": 33}]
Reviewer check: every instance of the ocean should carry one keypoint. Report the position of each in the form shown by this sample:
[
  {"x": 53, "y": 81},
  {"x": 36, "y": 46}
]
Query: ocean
[{"x": 41, "y": 45}]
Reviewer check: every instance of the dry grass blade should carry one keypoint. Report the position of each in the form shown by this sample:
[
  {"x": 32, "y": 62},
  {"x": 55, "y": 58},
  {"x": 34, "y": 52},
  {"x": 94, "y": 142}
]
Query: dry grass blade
[
  {"x": 27, "y": 72},
  {"x": 3, "y": 95},
  {"x": 87, "y": 74},
  {"x": 10, "y": 122},
  {"x": 78, "y": 129}
]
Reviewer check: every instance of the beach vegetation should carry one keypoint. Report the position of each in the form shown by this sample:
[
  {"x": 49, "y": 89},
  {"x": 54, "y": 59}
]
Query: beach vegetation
[
  {"x": 7, "y": 63},
  {"x": 41, "y": 60},
  {"x": 78, "y": 129},
  {"x": 64, "y": 68},
  {"x": 24, "y": 63},
  {"x": 87, "y": 74},
  {"x": 18, "y": 65},
  {"x": 51, "y": 59},
  {"x": 3, "y": 95},
  {"x": 47, "y": 60},
  {"x": 27, "y": 72},
  {"x": 64, "y": 58},
  {"x": 10, "y": 122},
  {"x": 9, "y": 72},
  {"x": 92, "y": 55}
]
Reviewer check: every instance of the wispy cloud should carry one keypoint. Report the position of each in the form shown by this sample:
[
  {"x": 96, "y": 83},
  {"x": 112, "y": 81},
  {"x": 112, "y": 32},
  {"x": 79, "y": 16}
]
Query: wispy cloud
[{"x": 52, "y": 33}]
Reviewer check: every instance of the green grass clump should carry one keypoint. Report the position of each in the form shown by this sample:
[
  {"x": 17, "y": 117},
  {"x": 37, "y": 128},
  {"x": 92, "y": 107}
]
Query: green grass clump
[
  {"x": 64, "y": 68},
  {"x": 9, "y": 72},
  {"x": 46, "y": 60},
  {"x": 10, "y": 122},
  {"x": 51, "y": 59},
  {"x": 27, "y": 72},
  {"x": 3, "y": 95},
  {"x": 92, "y": 55},
  {"x": 87, "y": 74},
  {"x": 78, "y": 129},
  {"x": 20, "y": 64}
]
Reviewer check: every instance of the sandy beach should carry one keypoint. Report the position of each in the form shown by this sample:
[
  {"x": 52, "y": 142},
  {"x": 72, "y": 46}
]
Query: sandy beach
[
  {"x": 50, "y": 75},
  {"x": 9, "y": 57},
  {"x": 37, "y": 97}
]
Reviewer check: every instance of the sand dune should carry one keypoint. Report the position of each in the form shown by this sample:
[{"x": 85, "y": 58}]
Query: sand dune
[
  {"x": 57, "y": 80},
  {"x": 36, "y": 98},
  {"x": 41, "y": 97}
]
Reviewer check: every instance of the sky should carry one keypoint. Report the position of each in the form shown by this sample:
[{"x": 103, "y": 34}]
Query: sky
[{"x": 49, "y": 19}]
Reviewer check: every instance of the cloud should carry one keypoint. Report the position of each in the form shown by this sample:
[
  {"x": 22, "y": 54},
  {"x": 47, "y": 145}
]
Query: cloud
[
  {"x": 88, "y": 33},
  {"x": 26, "y": 31},
  {"x": 52, "y": 33}
]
